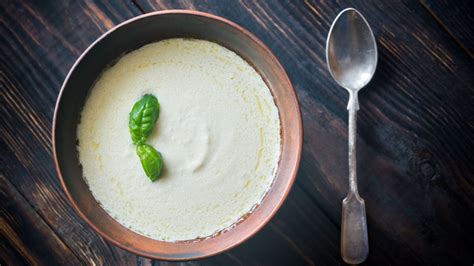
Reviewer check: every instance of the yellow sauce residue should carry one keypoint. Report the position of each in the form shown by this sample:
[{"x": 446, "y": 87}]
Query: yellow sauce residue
[
  {"x": 247, "y": 183},
  {"x": 259, "y": 104},
  {"x": 260, "y": 150},
  {"x": 95, "y": 145},
  {"x": 101, "y": 163}
]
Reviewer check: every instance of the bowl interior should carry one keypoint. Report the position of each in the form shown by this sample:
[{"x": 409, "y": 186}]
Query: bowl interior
[{"x": 131, "y": 35}]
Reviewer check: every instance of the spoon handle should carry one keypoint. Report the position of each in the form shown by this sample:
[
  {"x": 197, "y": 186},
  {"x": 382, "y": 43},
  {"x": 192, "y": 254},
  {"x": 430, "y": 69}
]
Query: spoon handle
[
  {"x": 354, "y": 239},
  {"x": 353, "y": 107}
]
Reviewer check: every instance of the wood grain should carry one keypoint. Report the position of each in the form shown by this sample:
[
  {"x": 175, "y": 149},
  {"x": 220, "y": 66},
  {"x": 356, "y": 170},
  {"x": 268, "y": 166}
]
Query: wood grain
[
  {"x": 415, "y": 131},
  {"x": 22, "y": 230},
  {"x": 456, "y": 19}
]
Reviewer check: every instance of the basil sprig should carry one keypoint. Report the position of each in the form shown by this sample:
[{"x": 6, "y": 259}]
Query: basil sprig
[{"x": 142, "y": 120}]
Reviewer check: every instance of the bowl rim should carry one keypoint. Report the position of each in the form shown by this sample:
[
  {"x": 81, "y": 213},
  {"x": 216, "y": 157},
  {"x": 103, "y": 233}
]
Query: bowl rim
[{"x": 298, "y": 130}]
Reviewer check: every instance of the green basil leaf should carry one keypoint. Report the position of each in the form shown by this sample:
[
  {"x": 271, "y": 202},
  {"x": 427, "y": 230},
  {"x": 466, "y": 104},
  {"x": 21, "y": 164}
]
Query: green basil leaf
[
  {"x": 143, "y": 117},
  {"x": 151, "y": 160}
]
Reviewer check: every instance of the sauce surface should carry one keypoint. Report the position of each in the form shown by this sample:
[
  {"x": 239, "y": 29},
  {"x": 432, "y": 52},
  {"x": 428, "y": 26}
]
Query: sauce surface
[{"x": 218, "y": 132}]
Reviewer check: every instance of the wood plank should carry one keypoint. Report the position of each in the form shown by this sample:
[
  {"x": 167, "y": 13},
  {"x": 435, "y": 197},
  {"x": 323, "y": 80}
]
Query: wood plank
[
  {"x": 456, "y": 18},
  {"x": 414, "y": 129},
  {"x": 24, "y": 236},
  {"x": 40, "y": 41}
]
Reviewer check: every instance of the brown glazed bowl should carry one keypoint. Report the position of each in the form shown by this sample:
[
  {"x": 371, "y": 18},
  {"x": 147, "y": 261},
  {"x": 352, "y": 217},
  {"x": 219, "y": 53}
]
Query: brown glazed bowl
[{"x": 131, "y": 35}]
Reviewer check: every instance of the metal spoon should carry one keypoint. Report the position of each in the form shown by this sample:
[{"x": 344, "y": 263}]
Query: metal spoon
[{"x": 351, "y": 54}]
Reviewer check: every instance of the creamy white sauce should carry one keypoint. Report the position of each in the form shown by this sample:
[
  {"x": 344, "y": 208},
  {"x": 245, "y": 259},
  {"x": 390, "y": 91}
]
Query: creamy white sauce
[{"x": 218, "y": 132}]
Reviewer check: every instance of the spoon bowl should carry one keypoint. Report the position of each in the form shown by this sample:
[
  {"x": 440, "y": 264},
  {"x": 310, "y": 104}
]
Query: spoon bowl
[{"x": 351, "y": 50}]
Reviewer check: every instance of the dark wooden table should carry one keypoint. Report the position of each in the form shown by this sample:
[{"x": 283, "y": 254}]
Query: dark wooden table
[{"x": 416, "y": 132}]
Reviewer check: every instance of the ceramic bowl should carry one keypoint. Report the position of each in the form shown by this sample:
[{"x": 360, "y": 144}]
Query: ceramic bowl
[{"x": 129, "y": 36}]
